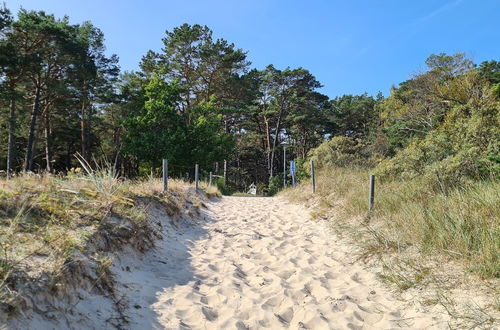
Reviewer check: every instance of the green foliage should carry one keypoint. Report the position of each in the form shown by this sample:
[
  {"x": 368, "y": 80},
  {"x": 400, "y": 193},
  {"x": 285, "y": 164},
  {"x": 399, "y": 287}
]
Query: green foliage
[
  {"x": 303, "y": 169},
  {"x": 158, "y": 131},
  {"x": 226, "y": 188},
  {"x": 353, "y": 115},
  {"x": 340, "y": 151},
  {"x": 62, "y": 69},
  {"x": 466, "y": 144},
  {"x": 155, "y": 131},
  {"x": 449, "y": 65},
  {"x": 207, "y": 140},
  {"x": 275, "y": 185},
  {"x": 490, "y": 71}
]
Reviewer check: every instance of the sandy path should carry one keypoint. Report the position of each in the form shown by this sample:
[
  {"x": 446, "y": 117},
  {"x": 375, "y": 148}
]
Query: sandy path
[{"x": 258, "y": 263}]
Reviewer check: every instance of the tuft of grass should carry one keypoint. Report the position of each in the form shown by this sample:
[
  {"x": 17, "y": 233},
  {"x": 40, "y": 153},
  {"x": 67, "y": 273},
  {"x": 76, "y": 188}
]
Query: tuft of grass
[{"x": 211, "y": 191}]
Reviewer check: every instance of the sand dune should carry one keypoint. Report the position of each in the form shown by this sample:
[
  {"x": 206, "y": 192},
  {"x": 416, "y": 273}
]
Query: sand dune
[{"x": 255, "y": 263}]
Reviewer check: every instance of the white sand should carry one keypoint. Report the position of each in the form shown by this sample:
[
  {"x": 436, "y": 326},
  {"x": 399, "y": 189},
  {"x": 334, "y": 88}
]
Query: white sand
[
  {"x": 247, "y": 263},
  {"x": 258, "y": 263}
]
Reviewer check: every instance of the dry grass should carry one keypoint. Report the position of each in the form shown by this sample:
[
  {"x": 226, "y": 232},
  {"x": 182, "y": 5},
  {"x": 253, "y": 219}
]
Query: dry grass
[
  {"x": 211, "y": 191},
  {"x": 46, "y": 219},
  {"x": 464, "y": 224}
]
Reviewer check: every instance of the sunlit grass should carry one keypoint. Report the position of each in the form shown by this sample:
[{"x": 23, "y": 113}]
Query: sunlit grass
[{"x": 463, "y": 224}]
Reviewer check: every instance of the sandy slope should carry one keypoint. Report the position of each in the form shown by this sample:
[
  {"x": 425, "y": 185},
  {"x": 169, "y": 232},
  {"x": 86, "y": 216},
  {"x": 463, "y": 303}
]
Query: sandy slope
[{"x": 257, "y": 263}]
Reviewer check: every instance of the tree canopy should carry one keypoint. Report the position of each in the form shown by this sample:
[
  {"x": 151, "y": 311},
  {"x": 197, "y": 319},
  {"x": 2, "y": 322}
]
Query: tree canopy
[{"x": 198, "y": 100}]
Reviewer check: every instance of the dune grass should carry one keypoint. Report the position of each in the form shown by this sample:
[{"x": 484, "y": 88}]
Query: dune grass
[
  {"x": 463, "y": 224},
  {"x": 45, "y": 219}
]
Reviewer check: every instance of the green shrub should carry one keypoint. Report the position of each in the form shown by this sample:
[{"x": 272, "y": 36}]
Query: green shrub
[
  {"x": 224, "y": 188},
  {"x": 340, "y": 151},
  {"x": 275, "y": 184},
  {"x": 465, "y": 145}
]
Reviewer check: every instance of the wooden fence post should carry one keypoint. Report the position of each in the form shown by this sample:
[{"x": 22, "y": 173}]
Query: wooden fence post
[
  {"x": 284, "y": 166},
  {"x": 313, "y": 177},
  {"x": 196, "y": 176},
  {"x": 165, "y": 175},
  {"x": 371, "y": 194},
  {"x": 210, "y": 180},
  {"x": 225, "y": 172}
]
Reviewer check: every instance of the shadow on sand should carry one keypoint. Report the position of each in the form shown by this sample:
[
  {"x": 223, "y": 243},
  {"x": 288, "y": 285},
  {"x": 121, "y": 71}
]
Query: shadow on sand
[{"x": 142, "y": 278}]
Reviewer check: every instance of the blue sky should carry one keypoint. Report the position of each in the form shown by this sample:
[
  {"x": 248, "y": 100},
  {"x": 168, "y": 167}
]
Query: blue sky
[{"x": 350, "y": 46}]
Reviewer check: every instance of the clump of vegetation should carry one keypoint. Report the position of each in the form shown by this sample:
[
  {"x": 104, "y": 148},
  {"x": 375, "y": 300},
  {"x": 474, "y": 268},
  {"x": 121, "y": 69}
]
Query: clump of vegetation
[
  {"x": 339, "y": 151},
  {"x": 465, "y": 144}
]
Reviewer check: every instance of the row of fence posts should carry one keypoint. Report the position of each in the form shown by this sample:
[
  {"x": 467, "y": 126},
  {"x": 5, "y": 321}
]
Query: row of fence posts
[
  {"x": 371, "y": 188},
  {"x": 196, "y": 175}
]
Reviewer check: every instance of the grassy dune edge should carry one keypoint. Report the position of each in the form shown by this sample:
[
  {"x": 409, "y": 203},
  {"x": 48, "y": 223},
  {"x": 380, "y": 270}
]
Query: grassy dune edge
[
  {"x": 59, "y": 234},
  {"x": 429, "y": 245}
]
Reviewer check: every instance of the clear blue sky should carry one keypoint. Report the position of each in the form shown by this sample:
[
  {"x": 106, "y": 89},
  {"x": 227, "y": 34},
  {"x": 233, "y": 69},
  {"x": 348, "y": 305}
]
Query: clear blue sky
[{"x": 350, "y": 46}]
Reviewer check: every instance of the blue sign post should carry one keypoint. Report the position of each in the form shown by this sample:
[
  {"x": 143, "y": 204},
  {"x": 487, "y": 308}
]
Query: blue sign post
[{"x": 293, "y": 171}]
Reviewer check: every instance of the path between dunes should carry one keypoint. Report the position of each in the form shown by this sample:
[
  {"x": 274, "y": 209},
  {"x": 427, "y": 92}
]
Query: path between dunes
[{"x": 257, "y": 263}]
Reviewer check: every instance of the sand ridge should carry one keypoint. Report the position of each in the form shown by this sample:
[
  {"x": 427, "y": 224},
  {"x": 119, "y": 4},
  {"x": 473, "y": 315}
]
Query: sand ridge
[{"x": 257, "y": 263}]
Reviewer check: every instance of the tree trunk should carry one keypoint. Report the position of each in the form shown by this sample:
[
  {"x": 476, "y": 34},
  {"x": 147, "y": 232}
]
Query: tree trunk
[
  {"x": 83, "y": 133},
  {"x": 48, "y": 140},
  {"x": 118, "y": 161},
  {"x": 28, "y": 160},
  {"x": 268, "y": 148},
  {"x": 68, "y": 156},
  {"x": 12, "y": 138},
  {"x": 276, "y": 132}
]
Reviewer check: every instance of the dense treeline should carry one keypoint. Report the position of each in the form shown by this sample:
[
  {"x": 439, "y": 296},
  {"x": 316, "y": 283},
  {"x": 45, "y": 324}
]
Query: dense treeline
[
  {"x": 442, "y": 125},
  {"x": 198, "y": 100},
  {"x": 53, "y": 77}
]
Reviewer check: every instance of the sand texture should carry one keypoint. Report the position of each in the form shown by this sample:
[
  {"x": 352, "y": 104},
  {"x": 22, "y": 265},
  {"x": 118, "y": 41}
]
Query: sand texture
[
  {"x": 259, "y": 263},
  {"x": 242, "y": 263}
]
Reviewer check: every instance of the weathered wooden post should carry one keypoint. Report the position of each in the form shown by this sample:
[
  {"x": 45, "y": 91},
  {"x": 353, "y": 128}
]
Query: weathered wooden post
[
  {"x": 225, "y": 172},
  {"x": 196, "y": 177},
  {"x": 165, "y": 175},
  {"x": 313, "y": 177},
  {"x": 284, "y": 165},
  {"x": 216, "y": 167},
  {"x": 371, "y": 194},
  {"x": 210, "y": 180}
]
